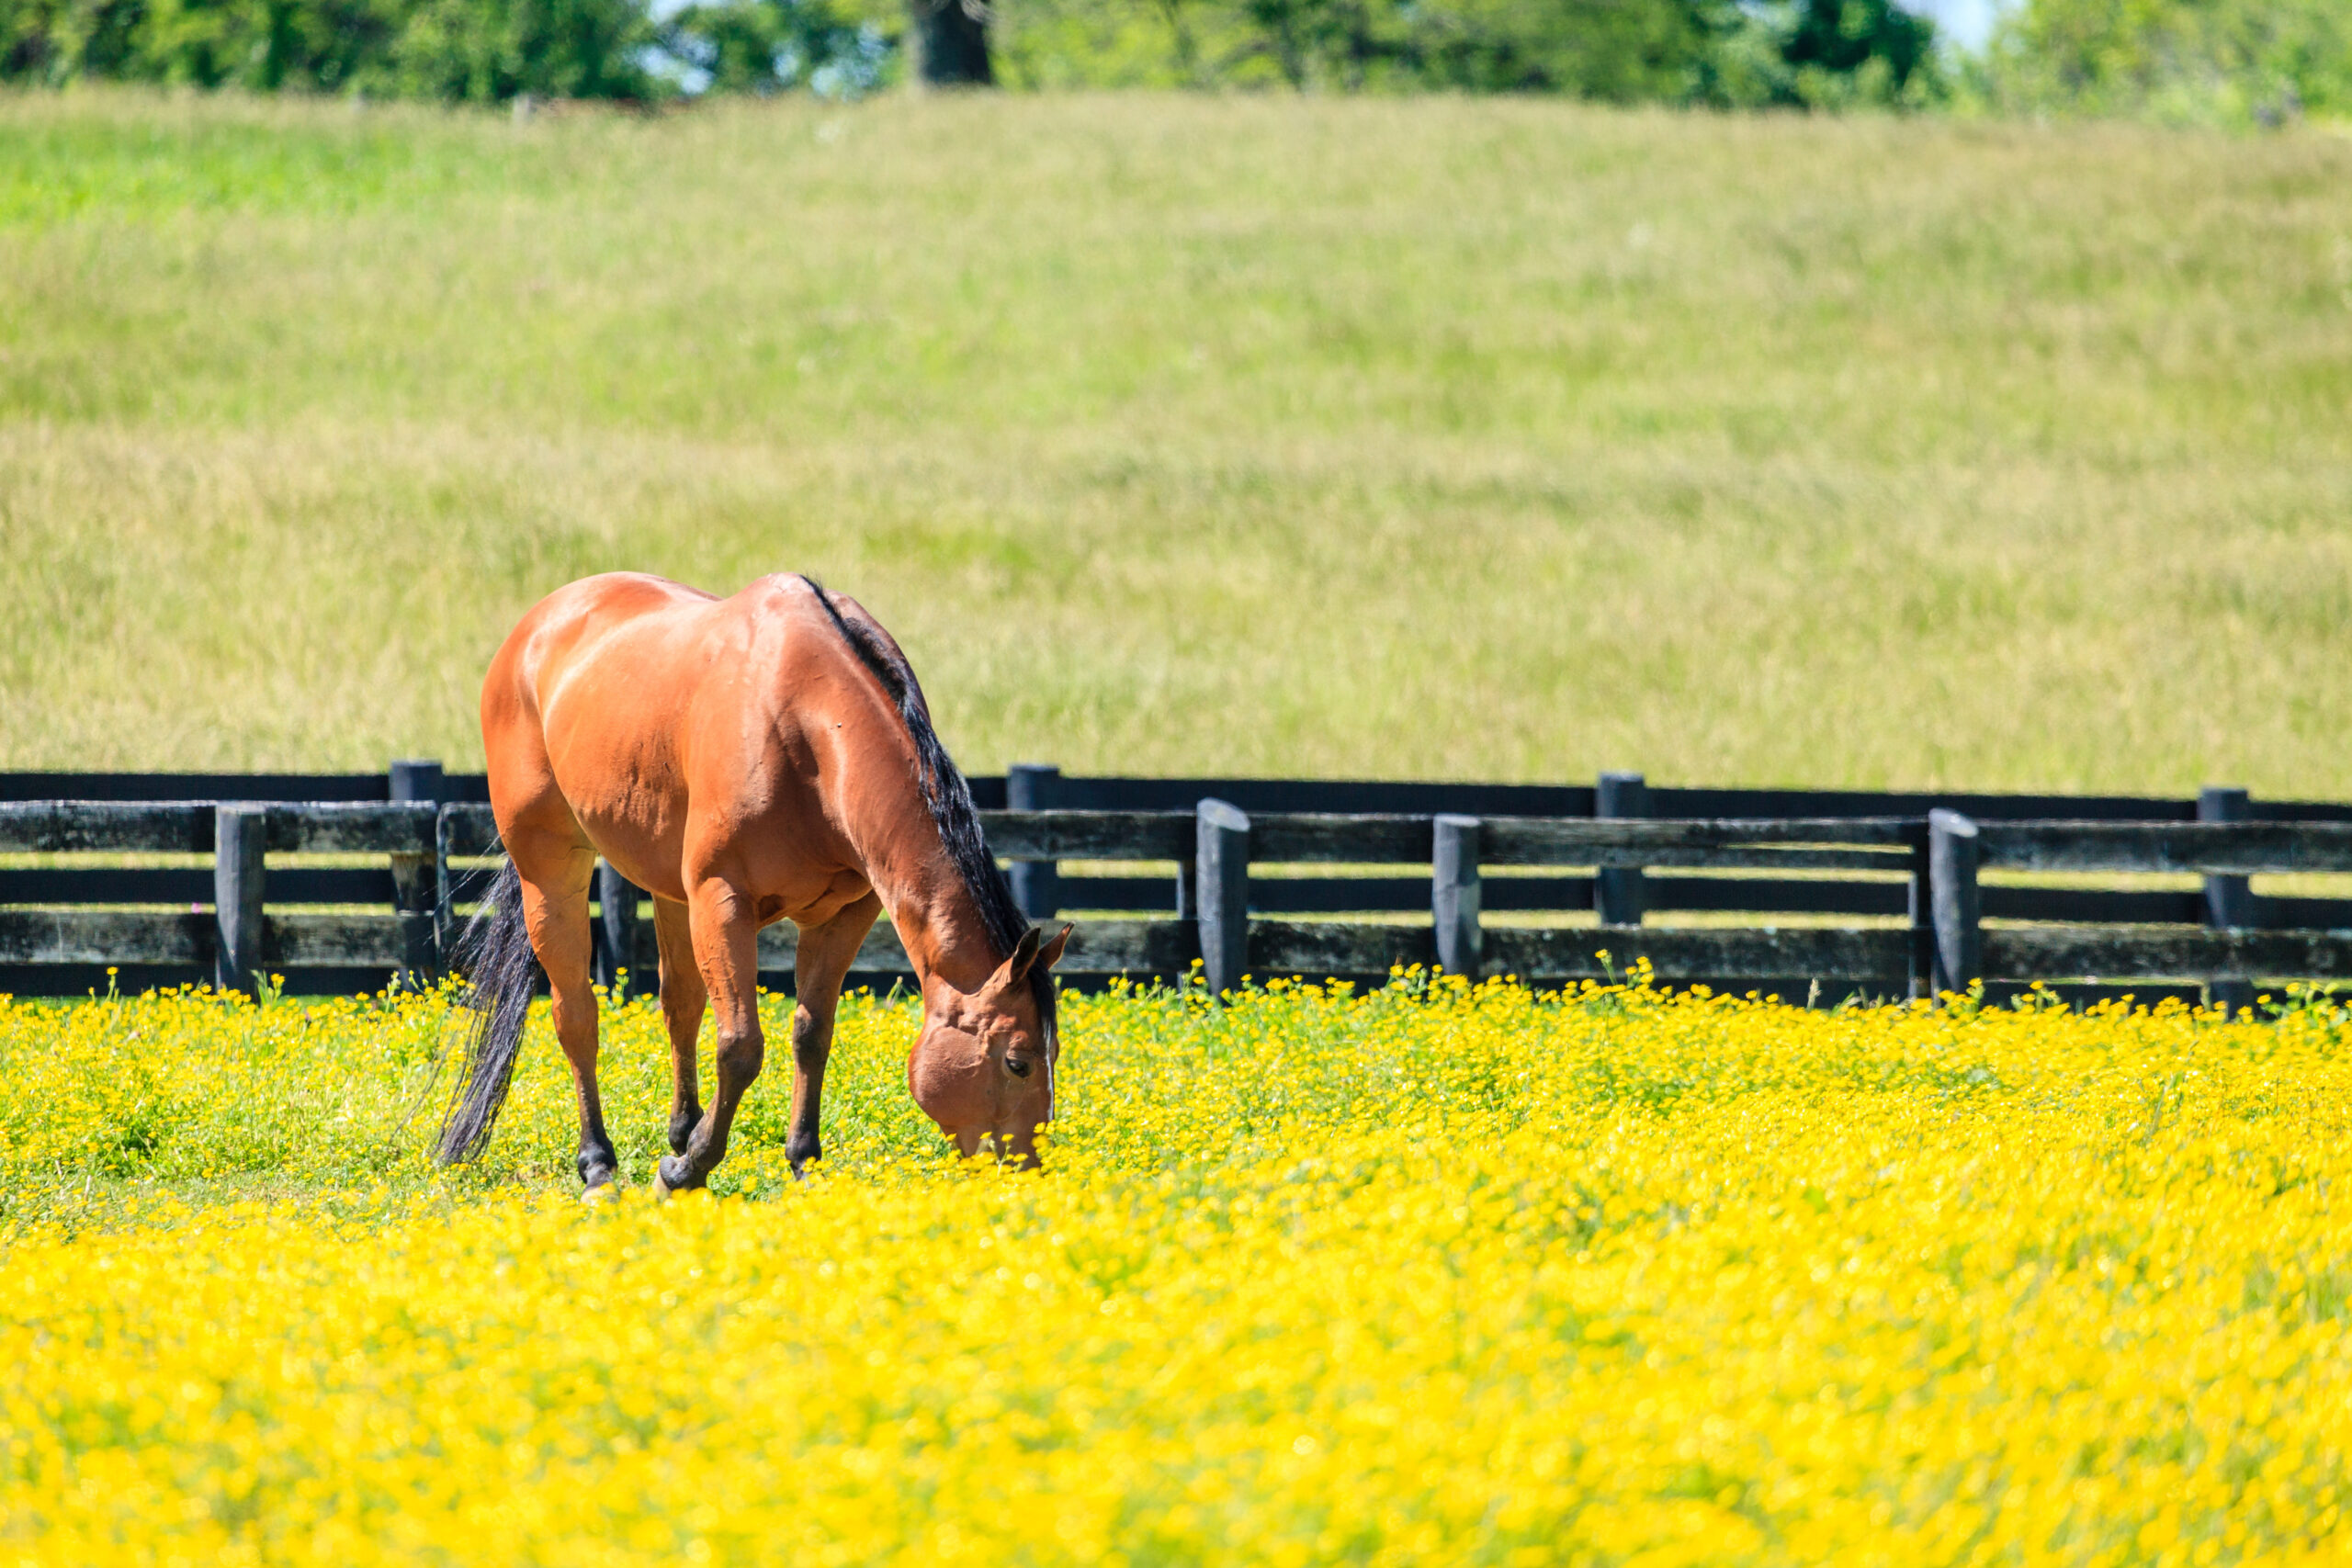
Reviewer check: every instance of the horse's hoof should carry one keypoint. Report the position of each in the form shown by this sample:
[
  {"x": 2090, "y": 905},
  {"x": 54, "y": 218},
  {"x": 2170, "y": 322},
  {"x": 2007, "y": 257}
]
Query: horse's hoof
[
  {"x": 603, "y": 1192},
  {"x": 670, "y": 1176}
]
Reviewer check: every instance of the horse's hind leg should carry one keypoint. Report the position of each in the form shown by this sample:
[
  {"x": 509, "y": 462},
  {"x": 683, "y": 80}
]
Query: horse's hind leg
[
  {"x": 556, "y": 874},
  {"x": 683, "y": 1000}
]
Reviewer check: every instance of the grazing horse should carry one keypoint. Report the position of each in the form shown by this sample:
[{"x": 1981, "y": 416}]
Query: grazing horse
[{"x": 747, "y": 759}]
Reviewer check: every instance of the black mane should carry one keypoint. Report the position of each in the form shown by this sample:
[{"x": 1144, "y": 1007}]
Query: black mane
[{"x": 949, "y": 798}]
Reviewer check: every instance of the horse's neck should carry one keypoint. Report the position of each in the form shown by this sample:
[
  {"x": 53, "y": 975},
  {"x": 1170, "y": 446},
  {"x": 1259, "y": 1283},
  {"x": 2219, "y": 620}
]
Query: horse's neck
[{"x": 936, "y": 917}]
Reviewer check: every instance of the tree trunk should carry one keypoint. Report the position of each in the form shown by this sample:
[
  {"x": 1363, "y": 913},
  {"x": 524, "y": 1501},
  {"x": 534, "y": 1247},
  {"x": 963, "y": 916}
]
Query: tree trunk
[{"x": 951, "y": 43}]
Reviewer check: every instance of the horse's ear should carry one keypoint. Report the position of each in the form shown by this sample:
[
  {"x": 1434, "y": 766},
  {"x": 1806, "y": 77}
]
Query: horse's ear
[
  {"x": 1051, "y": 954},
  {"x": 1015, "y": 969}
]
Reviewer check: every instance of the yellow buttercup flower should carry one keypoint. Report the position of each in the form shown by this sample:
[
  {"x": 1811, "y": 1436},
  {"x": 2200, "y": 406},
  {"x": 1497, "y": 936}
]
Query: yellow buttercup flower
[{"x": 1436, "y": 1273}]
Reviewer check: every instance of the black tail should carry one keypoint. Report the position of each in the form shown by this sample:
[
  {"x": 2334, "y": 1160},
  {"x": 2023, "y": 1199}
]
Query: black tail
[{"x": 496, "y": 957}]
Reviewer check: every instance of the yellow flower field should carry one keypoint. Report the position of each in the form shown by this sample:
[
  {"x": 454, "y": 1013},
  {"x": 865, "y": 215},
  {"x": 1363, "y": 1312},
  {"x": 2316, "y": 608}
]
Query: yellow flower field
[{"x": 1430, "y": 1275}]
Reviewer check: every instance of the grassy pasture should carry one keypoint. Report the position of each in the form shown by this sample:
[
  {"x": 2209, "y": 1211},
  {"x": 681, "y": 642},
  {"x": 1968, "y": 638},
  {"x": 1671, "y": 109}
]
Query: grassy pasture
[{"x": 1435, "y": 437}]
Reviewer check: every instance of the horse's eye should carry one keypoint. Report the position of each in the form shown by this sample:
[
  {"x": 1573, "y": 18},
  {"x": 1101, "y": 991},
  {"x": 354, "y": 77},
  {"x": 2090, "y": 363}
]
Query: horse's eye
[{"x": 1016, "y": 1066}]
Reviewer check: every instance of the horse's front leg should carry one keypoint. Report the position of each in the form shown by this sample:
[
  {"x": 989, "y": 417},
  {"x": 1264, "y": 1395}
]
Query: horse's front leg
[
  {"x": 727, "y": 950},
  {"x": 684, "y": 1003},
  {"x": 822, "y": 962}
]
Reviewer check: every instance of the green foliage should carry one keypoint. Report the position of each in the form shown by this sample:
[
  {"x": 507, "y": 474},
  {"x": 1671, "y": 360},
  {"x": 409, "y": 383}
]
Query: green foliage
[
  {"x": 454, "y": 50},
  {"x": 2190, "y": 62},
  {"x": 2185, "y": 62},
  {"x": 1812, "y": 53},
  {"x": 451, "y": 50},
  {"x": 760, "y": 45},
  {"x": 1826, "y": 55},
  {"x": 1615, "y": 50},
  {"x": 488, "y": 50},
  {"x": 1797, "y": 52}
]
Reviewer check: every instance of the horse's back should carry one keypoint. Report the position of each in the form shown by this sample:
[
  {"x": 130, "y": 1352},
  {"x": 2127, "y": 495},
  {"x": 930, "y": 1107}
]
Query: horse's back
[{"x": 623, "y": 705}]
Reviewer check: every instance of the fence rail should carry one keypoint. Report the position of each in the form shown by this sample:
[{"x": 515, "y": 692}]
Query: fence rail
[{"x": 1234, "y": 882}]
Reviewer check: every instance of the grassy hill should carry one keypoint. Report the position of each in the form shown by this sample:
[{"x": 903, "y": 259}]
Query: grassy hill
[{"x": 1431, "y": 437}]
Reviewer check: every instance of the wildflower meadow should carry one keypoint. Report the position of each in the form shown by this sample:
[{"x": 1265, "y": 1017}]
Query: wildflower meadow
[{"x": 1431, "y": 1274}]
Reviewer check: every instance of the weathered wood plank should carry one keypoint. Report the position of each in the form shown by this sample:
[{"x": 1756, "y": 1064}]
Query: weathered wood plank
[
  {"x": 334, "y": 941},
  {"x": 49, "y": 827},
  {"x": 1327, "y": 837},
  {"x": 469, "y": 830},
  {"x": 1336, "y": 894},
  {"x": 1254, "y": 796},
  {"x": 2096, "y": 906},
  {"x": 1131, "y": 947},
  {"x": 881, "y": 950},
  {"x": 1304, "y": 836},
  {"x": 1081, "y": 893},
  {"x": 1878, "y": 844},
  {"x": 1705, "y": 832},
  {"x": 2244, "y": 848},
  {"x": 203, "y": 789},
  {"x": 1096, "y": 947},
  {"x": 1679, "y": 952},
  {"x": 1669, "y": 801},
  {"x": 2314, "y": 914},
  {"x": 1726, "y": 857},
  {"x": 327, "y": 827},
  {"x": 1089, "y": 835},
  {"x": 2052, "y": 953},
  {"x": 104, "y": 936},
  {"x": 108, "y": 885},
  {"x": 1771, "y": 894},
  {"x": 1318, "y": 948},
  {"x": 1540, "y": 893},
  {"x": 190, "y": 884}
]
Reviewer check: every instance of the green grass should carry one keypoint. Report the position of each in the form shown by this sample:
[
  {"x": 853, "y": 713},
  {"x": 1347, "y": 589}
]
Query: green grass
[{"x": 1435, "y": 437}]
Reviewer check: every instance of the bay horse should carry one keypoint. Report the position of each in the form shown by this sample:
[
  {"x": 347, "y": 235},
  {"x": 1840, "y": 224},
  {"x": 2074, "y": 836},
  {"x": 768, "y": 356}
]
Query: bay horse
[{"x": 763, "y": 757}]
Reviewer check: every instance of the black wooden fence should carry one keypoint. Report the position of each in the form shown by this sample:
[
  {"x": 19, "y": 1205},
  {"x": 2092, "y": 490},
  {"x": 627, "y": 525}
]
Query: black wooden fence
[{"x": 1256, "y": 877}]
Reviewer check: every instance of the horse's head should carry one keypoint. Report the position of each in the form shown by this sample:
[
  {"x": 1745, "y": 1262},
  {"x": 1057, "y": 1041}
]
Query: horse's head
[{"x": 983, "y": 1066}]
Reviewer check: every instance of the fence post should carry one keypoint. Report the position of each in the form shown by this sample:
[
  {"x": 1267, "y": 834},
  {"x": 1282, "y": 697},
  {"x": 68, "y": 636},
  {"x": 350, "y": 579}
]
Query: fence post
[
  {"x": 240, "y": 861},
  {"x": 1222, "y": 889},
  {"x": 616, "y": 898},
  {"x": 1958, "y": 905},
  {"x": 416, "y": 880},
  {"x": 445, "y": 939},
  {"x": 1453, "y": 894},
  {"x": 415, "y": 779},
  {"x": 2228, "y": 900},
  {"x": 416, "y": 899},
  {"x": 1036, "y": 884},
  {"x": 1617, "y": 889},
  {"x": 1917, "y": 905}
]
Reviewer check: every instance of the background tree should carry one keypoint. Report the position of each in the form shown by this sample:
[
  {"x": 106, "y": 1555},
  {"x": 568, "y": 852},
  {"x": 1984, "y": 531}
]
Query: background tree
[
  {"x": 949, "y": 41},
  {"x": 2192, "y": 62}
]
